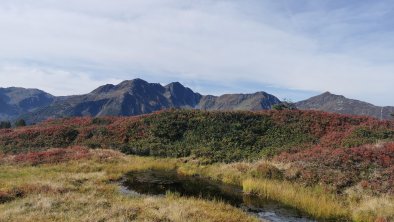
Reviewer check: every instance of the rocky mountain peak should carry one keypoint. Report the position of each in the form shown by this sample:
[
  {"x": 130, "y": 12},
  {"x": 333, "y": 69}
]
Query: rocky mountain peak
[
  {"x": 103, "y": 89},
  {"x": 180, "y": 95},
  {"x": 132, "y": 84}
]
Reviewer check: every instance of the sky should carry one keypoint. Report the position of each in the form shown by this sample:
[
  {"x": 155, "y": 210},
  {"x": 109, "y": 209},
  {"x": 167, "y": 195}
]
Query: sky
[{"x": 293, "y": 49}]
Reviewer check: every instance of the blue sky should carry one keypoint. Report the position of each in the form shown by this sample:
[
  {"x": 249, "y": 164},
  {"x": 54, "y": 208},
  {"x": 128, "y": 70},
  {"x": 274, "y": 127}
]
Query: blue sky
[{"x": 293, "y": 49}]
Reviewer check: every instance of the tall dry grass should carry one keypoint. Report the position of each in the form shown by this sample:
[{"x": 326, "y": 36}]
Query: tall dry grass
[
  {"x": 312, "y": 201},
  {"x": 85, "y": 190}
]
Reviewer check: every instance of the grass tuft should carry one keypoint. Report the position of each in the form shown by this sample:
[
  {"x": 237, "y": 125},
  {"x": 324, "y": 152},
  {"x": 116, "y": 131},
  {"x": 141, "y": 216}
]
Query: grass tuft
[{"x": 312, "y": 201}]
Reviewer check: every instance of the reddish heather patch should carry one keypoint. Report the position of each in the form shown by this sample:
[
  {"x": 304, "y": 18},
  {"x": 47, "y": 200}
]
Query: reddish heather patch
[
  {"x": 55, "y": 155},
  {"x": 328, "y": 130},
  {"x": 382, "y": 156},
  {"x": 370, "y": 165}
]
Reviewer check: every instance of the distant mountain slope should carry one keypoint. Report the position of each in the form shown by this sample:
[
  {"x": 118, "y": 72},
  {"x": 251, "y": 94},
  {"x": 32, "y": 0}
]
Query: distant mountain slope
[
  {"x": 256, "y": 101},
  {"x": 128, "y": 98},
  {"x": 18, "y": 101},
  {"x": 339, "y": 104},
  {"x": 135, "y": 97}
]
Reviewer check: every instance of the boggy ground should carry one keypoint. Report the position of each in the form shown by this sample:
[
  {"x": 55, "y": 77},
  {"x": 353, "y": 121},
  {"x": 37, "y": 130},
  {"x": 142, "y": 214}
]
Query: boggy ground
[
  {"x": 80, "y": 184},
  {"x": 77, "y": 184}
]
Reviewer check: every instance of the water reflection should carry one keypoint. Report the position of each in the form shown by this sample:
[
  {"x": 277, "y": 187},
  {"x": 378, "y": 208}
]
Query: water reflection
[{"x": 156, "y": 182}]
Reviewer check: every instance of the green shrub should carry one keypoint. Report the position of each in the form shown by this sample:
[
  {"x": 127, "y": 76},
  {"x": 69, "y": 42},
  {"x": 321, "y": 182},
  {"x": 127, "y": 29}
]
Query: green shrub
[
  {"x": 5, "y": 125},
  {"x": 20, "y": 123}
]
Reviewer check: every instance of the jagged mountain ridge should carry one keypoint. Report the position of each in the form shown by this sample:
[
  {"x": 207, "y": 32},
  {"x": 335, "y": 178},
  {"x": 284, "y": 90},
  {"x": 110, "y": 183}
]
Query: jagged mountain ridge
[
  {"x": 253, "y": 102},
  {"x": 329, "y": 102},
  {"x": 135, "y": 97}
]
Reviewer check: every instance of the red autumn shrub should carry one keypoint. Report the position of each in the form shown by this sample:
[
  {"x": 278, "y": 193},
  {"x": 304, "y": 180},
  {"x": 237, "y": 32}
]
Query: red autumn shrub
[
  {"x": 277, "y": 129},
  {"x": 372, "y": 165},
  {"x": 382, "y": 156},
  {"x": 55, "y": 155}
]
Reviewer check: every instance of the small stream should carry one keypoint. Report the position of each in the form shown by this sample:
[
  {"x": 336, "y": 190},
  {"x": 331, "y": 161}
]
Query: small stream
[{"x": 157, "y": 182}]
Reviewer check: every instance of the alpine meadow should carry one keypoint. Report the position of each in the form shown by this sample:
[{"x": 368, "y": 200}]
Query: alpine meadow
[{"x": 196, "y": 111}]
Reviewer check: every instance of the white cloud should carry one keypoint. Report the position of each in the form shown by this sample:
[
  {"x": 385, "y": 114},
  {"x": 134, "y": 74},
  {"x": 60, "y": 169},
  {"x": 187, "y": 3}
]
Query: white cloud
[
  {"x": 56, "y": 82},
  {"x": 303, "y": 47}
]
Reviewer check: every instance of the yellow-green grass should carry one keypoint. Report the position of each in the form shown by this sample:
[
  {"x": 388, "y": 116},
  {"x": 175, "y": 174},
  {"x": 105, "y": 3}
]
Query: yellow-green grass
[
  {"x": 85, "y": 190},
  {"x": 370, "y": 208},
  {"x": 315, "y": 201},
  {"x": 74, "y": 206}
]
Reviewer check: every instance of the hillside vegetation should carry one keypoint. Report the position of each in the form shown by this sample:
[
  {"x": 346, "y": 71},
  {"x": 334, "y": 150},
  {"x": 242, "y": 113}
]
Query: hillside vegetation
[
  {"x": 321, "y": 148},
  {"x": 216, "y": 136}
]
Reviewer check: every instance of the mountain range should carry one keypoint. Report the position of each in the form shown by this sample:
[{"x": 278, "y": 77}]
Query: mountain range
[
  {"x": 329, "y": 102},
  {"x": 135, "y": 97}
]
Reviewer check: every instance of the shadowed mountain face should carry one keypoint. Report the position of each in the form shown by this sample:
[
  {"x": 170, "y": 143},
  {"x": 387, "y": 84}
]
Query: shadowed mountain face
[
  {"x": 339, "y": 104},
  {"x": 128, "y": 98},
  {"x": 137, "y": 97},
  {"x": 253, "y": 102},
  {"x": 17, "y": 101}
]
